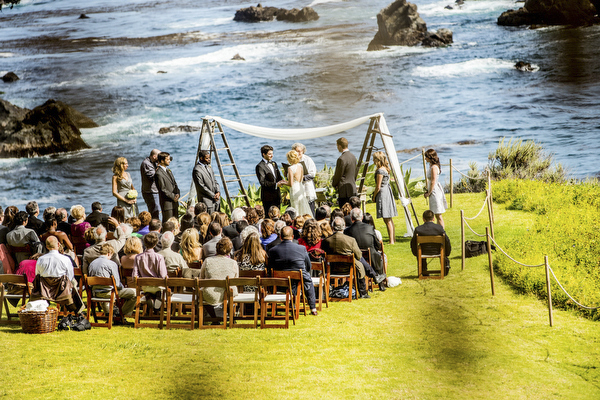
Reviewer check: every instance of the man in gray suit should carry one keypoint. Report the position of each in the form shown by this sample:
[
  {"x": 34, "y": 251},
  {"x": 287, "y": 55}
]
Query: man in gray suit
[
  {"x": 149, "y": 189},
  {"x": 168, "y": 191},
  {"x": 207, "y": 187},
  {"x": 344, "y": 179}
]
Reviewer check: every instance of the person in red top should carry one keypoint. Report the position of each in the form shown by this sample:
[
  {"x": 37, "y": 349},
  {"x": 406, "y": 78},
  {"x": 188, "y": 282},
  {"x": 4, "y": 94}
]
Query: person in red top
[{"x": 311, "y": 238}]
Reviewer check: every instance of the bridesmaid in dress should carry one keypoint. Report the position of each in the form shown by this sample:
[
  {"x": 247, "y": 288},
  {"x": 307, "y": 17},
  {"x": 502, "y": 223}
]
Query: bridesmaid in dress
[
  {"x": 383, "y": 195},
  {"x": 121, "y": 185},
  {"x": 435, "y": 191}
]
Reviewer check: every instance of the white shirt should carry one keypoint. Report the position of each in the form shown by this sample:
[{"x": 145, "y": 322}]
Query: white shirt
[
  {"x": 54, "y": 265},
  {"x": 270, "y": 166}
]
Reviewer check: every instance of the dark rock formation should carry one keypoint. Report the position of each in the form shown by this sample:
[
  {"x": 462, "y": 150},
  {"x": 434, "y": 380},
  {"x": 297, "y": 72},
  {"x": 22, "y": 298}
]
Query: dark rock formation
[
  {"x": 46, "y": 129},
  {"x": 161, "y": 72},
  {"x": 524, "y": 66},
  {"x": 10, "y": 77},
  {"x": 83, "y": 16},
  {"x": 295, "y": 15},
  {"x": 180, "y": 128},
  {"x": 238, "y": 57},
  {"x": 260, "y": 13},
  {"x": 550, "y": 12},
  {"x": 400, "y": 25}
]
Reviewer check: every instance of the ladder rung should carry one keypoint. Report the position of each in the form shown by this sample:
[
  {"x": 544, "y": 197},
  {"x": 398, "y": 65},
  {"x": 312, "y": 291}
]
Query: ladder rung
[
  {"x": 240, "y": 196},
  {"x": 227, "y": 165},
  {"x": 223, "y": 148},
  {"x": 233, "y": 180},
  {"x": 362, "y": 178}
]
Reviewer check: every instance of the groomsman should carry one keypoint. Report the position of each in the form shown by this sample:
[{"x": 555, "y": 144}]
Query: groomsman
[
  {"x": 269, "y": 178},
  {"x": 168, "y": 191},
  {"x": 206, "y": 185},
  {"x": 344, "y": 179},
  {"x": 149, "y": 190}
]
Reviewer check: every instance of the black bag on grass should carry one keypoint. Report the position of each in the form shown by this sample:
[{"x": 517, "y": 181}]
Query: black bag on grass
[{"x": 474, "y": 248}]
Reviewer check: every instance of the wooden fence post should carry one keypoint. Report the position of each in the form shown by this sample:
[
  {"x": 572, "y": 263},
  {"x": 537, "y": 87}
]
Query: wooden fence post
[
  {"x": 548, "y": 287},
  {"x": 491, "y": 196},
  {"x": 462, "y": 237},
  {"x": 489, "y": 204},
  {"x": 451, "y": 186},
  {"x": 489, "y": 248}
]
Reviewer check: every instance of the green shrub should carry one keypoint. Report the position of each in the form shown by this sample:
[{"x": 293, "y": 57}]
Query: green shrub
[
  {"x": 566, "y": 230},
  {"x": 474, "y": 183}
]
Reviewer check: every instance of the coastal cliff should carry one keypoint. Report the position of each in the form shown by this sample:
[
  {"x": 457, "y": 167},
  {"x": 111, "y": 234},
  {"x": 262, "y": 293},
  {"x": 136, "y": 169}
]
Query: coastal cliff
[{"x": 552, "y": 12}]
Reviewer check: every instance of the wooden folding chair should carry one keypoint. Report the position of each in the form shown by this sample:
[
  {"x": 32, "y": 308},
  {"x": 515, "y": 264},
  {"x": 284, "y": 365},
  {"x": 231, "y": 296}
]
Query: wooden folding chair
[
  {"x": 383, "y": 257},
  {"x": 182, "y": 291},
  {"x": 126, "y": 276},
  {"x": 242, "y": 299},
  {"x": 320, "y": 282},
  {"x": 78, "y": 274},
  {"x": 432, "y": 241},
  {"x": 93, "y": 302},
  {"x": 294, "y": 276},
  {"x": 366, "y": 253},
  {"x": 20, "y": 280},
  {"x": 212, "y": 283},
  {"x": 140, "y": 283},
  {"x": 342, "y": 263},
  {"x": 269, "y": 295},
  {"x": 195, "y": 264}
]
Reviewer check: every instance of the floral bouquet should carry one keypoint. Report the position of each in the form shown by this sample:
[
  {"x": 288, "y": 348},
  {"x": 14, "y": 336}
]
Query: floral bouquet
[{"x": 132, "y": 194}]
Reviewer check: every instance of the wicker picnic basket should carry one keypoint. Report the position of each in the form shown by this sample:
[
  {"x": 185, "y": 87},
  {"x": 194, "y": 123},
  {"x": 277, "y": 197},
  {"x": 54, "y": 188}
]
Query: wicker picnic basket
[{"x": 38, "y": 321}]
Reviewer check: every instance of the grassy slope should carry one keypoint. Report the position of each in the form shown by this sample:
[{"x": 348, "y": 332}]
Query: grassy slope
[{"x": 422, "y": 340}]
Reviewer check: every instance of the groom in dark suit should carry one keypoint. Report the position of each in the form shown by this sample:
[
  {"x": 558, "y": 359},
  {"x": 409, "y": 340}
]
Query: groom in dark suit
[
  {"x": 344, "y": 179},
  {"x": 206, "y": 185},
  {"x": 269, "y": 178},
  {"x": 168, "y": 191}
]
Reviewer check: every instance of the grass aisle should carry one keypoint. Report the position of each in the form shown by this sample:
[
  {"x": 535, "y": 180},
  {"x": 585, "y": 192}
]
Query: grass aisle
[{"x": 429, "y": 339}]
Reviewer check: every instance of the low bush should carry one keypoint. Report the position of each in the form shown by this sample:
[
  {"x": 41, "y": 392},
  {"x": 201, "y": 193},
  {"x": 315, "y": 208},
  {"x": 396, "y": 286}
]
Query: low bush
[{"x": 566, "y": 230}]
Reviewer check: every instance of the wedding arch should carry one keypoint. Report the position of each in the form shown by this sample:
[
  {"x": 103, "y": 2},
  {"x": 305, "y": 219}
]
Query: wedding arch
[{"x": 212, "y": 129}]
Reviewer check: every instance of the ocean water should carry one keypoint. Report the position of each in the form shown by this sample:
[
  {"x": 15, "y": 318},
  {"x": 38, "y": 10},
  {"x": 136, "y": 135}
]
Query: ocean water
[{"x": 460, "y": 100}]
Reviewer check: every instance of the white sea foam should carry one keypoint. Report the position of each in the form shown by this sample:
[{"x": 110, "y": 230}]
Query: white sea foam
[
  {"x": 467, "y": 68},
  {"x": 317, "y": 2},
  {"x": 200, "y": 23},
  {"x": 7, "y": 55},
  {"x": 469, "y": 7}
]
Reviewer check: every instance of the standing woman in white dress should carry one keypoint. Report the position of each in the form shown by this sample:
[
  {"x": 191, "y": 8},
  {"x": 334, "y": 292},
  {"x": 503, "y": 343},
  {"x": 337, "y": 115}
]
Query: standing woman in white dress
[
  {"x": 122, "y": 188},
  {"x": 435, "y": 191},
  {"x": 308, "y": 179},
  {"x": 295, "y": 173}
]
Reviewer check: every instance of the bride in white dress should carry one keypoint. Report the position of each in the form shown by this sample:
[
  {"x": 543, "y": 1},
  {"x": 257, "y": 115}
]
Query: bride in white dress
[{"x": 295, "y": 173}]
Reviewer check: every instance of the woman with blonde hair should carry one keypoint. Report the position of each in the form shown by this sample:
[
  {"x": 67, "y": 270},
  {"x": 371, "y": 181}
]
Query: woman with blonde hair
[
  {"x": 295, "y": 175},
  {"x": 78, "y": 229},
  {"x": 133, "y": 247},
  {"x": 122, "y": 188},
  {"x": 435, "y": 191},
  {"x": 251, "y": 257},
  {"x": 175, "y": 222},
  {"x": 203, "y": 221},
  {"x": 383, "y": 195},
  {"x": 191, "y": 249}
]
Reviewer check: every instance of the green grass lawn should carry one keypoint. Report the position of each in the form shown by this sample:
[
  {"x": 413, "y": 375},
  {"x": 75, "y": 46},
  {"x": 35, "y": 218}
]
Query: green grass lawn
[{"x": 426, "y": 339}]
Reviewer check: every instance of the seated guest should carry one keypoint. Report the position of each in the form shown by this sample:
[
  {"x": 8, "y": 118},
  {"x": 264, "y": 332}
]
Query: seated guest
[
  {"x": 346, "y": 208},
  {"x": 364, "y": 235},
  {"x": 326, "y": 230},
  {"x": 133, "y": 247},
  {"x": 27, "y": 267},
  {"x": 22, "y": 236},
  {"x": 34, "y": 222},
  {"x": 251, "y": 257},
  {"x": 93, "y": 252},
  {"x": 55, "y": 278},
  {"x": 289, "y": 256},
  {"x": 336, "y": 213},
  {"x": 291, "y": 211},
  {"x": 199, "y": 208},
  {"x": 136, "y": 224},
  {"x": 3, "y": 228},
  {"x": 191, "y": 249},
  {"x": 96, "y": 217},
  {"x": 311, "y": 237},
  {"x": 173, "y": 260},
  {"x": 238, "y": 241},
  {"x": 219, "y": 266},
  {"x": 145, "y": 218},
  {"x": 230, "y": 230},
  {"x": 430, "y": 228},
  {"x": 78, "y": 228},
  {"x": 47, "y": 212},
  {"x": 274, "y": 213},
  {"x": 203, "y": 221},
  {"x": 267, "y": 232},
  {"x": 209, "y": 249},
  {"x": 155, "y": 226},
  {"x": 62, "y": 237},
  {"x": 150, "y": 265},
  {"x": 298, "y": 224},
  {"x": 252, "y": 217},
  {"x": 338, "y": 243},
  {"x": 105, "y": 268},
  {"x": 61, "y": 217},
  {"x": 368, "y": 219},
  {"x": 321, "y": 214},
  {"x": 260, "y": 211},
  {"x": 173, "y": 227},
  {"x": 220, "y": 218},
  {"x": 279, "y": 225},
  {"x": 9, "y": 215}
]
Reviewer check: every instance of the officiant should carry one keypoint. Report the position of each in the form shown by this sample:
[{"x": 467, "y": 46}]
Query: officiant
[{"x": 310, "y": 171}]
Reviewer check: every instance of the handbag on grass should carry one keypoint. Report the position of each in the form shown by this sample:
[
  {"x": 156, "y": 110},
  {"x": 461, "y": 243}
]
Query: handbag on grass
[{"x": 474, "y": 248}]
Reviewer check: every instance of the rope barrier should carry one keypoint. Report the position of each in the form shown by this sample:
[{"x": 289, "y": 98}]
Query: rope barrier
[
  {"x": 467, "y": 176},
  {"x": 479, "y": 213},
  {"x": 466, "y": 223},
  {"x": 520, "y": 263},
  {"x": 567, "y": 293},
  {"x": 410, "y": 159}
]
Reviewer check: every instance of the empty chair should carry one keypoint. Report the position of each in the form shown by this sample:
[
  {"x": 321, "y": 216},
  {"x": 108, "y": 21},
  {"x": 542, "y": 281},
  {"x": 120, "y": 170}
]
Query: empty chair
[
  {"x": 148, "y": 288},
  {"x": 269, "y": 295},
  {"x": 300, "y": 295},
  {"x": 205, "y": 286},
  {"x": 180, "y": 292},
  {"x": 320, "y": 282},
  {"x": 20, "y": 291},
  {"x": 242, "y": 299}
]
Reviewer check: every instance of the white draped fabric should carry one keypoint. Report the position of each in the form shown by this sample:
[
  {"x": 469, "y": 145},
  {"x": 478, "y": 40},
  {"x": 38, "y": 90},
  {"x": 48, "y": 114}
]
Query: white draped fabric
[{"x": 312, "y": 133}]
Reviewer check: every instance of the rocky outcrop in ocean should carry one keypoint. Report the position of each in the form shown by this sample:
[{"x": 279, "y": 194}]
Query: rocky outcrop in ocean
[
  {"x": 260, "y": 14},
  {"x": 47, "y": 129},
  {"x": 10, "y": 77},
  {"x": 551, "y": 12},
  {"x": 400, "y": 25}
]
